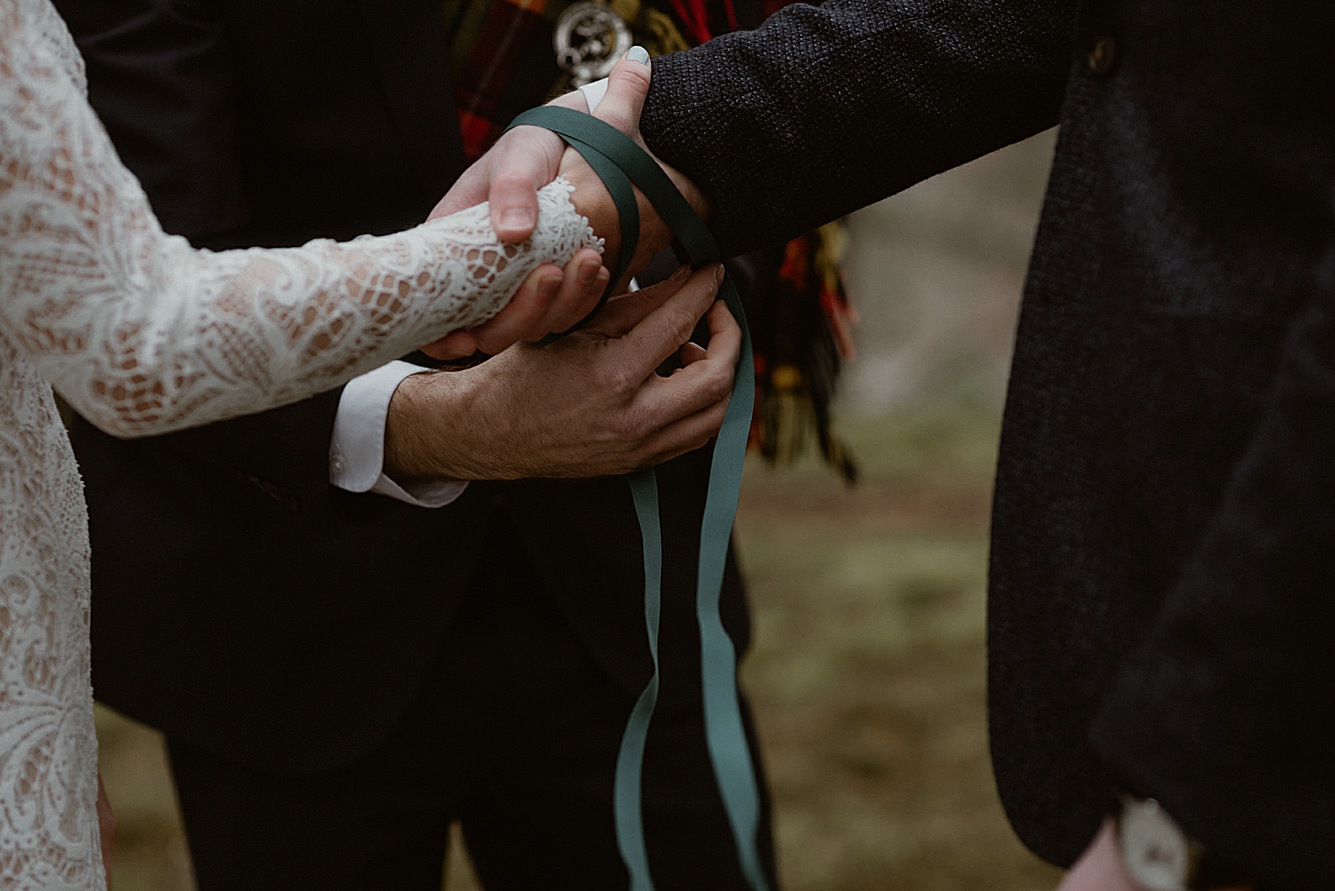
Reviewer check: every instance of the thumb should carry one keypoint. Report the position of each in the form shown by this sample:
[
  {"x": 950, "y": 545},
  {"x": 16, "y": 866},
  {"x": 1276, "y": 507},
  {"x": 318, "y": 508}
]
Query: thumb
[
  {"x": 627, "y": 87},
  {"x": 468, "y": 190}
]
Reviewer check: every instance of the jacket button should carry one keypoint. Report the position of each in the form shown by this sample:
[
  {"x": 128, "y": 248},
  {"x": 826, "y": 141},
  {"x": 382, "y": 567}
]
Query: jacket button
[{"x": 1102, "y": 55}]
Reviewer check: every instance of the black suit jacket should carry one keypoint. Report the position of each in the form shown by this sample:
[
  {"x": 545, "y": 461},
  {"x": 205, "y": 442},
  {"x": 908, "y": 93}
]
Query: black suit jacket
[
  {"x": 1162, "y": 612},
  {"x": 240, "y": 601}
]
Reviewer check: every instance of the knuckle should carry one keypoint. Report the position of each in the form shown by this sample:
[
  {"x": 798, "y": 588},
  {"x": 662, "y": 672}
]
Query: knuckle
[
  {"x": 621, "y": 381},
  {"x": 717, "y": 383},
  {"x": 679, "y": 325},
  {"x": 723, "y": 386},
  {"x": 513, "y": 181},
  {"x": 631, "y": 426},
  {"x": 638, "y": 75},
  {"x": 618, "y": 119}
]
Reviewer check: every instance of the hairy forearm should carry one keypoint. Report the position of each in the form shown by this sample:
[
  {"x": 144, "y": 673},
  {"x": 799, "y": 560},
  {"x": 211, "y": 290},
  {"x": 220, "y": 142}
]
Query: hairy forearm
[
  {"x": 590, "y": 404},
  {"x": 428, "y": 427}
]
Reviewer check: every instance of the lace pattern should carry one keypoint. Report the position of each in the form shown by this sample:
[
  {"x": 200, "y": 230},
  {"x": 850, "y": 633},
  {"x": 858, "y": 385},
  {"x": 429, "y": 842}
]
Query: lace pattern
[{"x": 143, "y": 334}]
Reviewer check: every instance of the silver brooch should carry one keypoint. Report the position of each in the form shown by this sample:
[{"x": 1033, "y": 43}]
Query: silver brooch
[{"x": 589, "y": 38}]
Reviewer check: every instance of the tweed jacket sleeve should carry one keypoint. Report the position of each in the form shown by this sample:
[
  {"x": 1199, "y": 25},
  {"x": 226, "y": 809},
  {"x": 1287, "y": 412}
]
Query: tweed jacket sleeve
[
  {"x": 823, "y": 110},
  {"x": 1227, "y": 712}
]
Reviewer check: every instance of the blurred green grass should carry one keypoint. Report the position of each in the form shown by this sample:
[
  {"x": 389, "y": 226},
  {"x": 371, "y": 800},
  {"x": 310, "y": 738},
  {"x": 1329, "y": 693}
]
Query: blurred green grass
[
  {"x": 867, "y": 673},
  {"x": 868, "y": 668}
]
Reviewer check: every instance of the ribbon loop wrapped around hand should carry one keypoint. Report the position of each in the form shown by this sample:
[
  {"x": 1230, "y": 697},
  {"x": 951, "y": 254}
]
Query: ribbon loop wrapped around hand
[{"x": 614, "y": 157}]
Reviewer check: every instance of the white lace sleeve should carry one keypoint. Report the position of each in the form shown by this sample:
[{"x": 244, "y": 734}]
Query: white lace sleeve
[{"x": 143, "y": 334}]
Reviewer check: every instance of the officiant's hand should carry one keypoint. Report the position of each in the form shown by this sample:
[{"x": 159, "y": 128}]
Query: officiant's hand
[
  {"x": 527, "y": 158},
  {"x": 590, "y": 404}
]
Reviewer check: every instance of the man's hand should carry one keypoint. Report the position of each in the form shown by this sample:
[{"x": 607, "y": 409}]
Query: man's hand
[
  {"x": 527, "y": 158},
  {"x": 550, "y": 300},
  {"x": 590, "y": 404},
  {"x": 1100, "y": 867}
]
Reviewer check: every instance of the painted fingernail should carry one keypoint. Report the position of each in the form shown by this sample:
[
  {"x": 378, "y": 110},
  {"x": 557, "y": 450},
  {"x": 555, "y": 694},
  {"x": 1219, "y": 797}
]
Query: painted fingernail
[{"x": 638, "y": 54}]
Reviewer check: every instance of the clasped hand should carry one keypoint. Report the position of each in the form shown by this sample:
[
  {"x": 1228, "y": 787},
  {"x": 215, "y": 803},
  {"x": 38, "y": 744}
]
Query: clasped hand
[
  {"x": 592, "y": 403},
  {"x": 527, "y": 158}
]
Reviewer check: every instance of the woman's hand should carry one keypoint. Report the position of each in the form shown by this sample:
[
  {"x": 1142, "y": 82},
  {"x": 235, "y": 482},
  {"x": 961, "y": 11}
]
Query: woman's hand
[
  {"x": 550, "y": 300},
  {"x": 527, "y": 158}
]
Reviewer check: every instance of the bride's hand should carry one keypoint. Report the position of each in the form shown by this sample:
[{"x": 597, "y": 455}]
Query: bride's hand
[
  {"x": 527, "y": 158},
  {"x": 550, "y": 300}
]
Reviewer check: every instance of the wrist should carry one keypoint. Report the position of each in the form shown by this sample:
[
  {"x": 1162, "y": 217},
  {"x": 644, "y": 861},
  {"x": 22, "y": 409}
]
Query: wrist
[
  {"x": 456, "y": 425},
  {"x": 425, "y": 427}
]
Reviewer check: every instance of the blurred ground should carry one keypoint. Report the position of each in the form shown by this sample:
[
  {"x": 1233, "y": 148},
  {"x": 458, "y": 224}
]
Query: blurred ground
[{"x": 867, "y": 673}]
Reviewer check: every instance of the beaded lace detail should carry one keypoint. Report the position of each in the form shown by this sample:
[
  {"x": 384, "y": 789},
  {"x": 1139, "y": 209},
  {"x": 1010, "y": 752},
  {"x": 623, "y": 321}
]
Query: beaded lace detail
[{"x": 142, "y": 334}]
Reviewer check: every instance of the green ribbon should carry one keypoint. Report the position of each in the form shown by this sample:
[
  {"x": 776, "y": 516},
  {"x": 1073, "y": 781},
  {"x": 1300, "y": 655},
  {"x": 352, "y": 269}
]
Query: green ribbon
[{"x": 607, "y": 149}]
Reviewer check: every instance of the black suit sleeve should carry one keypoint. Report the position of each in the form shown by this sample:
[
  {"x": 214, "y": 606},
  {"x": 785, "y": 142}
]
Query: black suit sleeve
[
  {"x": 230, "y": 579},
  {"x": 823, "y": 110},
  {"x": 160, "y": 76}
]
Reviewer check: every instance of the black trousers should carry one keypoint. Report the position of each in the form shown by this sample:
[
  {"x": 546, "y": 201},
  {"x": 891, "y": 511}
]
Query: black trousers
[{"x": 515, "y": 736}]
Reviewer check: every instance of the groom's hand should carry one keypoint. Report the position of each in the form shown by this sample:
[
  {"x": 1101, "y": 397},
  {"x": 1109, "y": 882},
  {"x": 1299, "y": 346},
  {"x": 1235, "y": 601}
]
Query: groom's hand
[
  {"x": 590, "y": 404},
  {"x": 527, "y": 158}
]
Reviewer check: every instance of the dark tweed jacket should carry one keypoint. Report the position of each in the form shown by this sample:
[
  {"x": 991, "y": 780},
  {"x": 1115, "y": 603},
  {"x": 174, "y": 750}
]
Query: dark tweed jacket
[{"x": 1163, "y": 568}]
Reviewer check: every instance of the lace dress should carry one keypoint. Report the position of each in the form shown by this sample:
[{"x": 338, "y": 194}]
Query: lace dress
[{"x": 142, "y": 335}]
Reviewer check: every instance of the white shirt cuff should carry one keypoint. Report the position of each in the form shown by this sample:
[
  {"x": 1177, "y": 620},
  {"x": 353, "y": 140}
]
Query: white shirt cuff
[{"x": 357, "y": 447}]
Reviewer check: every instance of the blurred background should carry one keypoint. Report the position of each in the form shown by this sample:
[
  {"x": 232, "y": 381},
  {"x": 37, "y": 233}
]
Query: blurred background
[{"x": 867, "y": 672}]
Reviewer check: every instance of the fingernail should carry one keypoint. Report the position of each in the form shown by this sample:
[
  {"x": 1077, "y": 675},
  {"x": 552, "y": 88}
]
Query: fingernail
[
  {"x": 548, "y": 285},
  {"x": 601, "y": 279},
  {"x": 638, "y": 54},
  {"x": 517, "y": 217},
  {"x": 587, "y": 270},
  {"x": 681, "y": 273},
  {"x": 718, "y": 273}
]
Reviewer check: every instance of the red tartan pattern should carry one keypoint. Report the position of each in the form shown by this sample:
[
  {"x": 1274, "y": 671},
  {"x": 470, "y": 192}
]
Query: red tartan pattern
[{"x": 504, "y": 63}]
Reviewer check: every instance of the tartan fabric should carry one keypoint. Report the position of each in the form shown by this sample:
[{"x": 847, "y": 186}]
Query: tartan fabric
[{"x": 503, "y": 62}]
